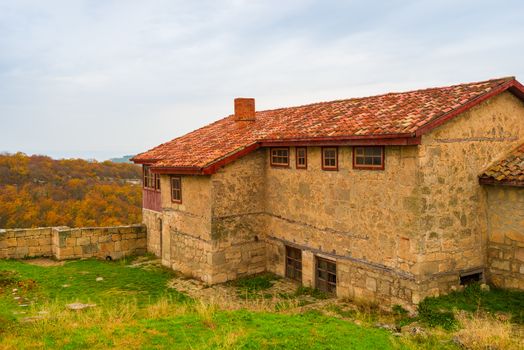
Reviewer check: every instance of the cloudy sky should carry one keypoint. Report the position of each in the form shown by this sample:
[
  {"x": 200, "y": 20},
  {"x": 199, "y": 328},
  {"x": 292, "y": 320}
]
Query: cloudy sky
[{"x": 98, "y": 79}]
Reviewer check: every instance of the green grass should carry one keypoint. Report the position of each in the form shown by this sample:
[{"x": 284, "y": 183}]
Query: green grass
[
  {"x": 136, "y": 310},
  {"x": 437, "y": 311},
  {"x": 253, "y": 287},
  {"x": 312, "y": 292}
]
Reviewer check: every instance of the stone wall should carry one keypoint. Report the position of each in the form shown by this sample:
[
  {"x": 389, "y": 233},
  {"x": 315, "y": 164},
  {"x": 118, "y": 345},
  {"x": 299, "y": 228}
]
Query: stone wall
[
  {"x": 186, "y": 244},
  {"x": 453, "y": 226},
  {"x": 238, "y": 225},
  {"x": 99, "y": 242},
  {"x": 25, "y": 243},
  {"x": 364, "y": 220},
  {"x": 153, "y": 221},
  {"x": 73, "y": 243},
  {"x": 505, "y": 262}
]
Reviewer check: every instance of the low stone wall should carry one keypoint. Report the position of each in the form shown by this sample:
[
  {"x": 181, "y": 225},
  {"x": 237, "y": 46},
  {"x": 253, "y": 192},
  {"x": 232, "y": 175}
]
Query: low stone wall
[
  {"x": 100, "y": 242},
  {"x": 73, "y": 243},
  {"x": 22, "y": 243}
]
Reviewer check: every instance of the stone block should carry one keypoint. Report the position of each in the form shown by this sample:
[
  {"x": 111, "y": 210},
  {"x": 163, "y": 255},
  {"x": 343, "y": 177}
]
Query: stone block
[
  {"x": 371, "y": 284},
  {"x": 497, "y": 236},
  {"x": 514, "y": 235},
  {"x": 66, "y": 253},
  {"x": 81, "y": 241},
  {"x": 519, "y": 254},
  {"x": 500, "y": 264}
]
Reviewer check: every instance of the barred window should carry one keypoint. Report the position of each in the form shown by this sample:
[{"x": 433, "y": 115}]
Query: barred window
[
  {"x": 326, "y": 275},
  {"x": 294, "y": 263}
]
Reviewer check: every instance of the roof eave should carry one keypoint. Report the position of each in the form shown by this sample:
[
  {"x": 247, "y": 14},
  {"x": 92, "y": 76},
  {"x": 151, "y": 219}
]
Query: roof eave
[
  {"x": 512, "y": 85},
  {"x": 492, "y": 181},
  {"x": 177, "y": 170}
]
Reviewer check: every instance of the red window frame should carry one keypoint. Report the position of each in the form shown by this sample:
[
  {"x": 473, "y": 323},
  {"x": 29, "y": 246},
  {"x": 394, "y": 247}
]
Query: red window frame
[
  {"x": 369, "y": 166},
  {"x": 176, "y": 189},
  {"x": 330, "y": 167},
  {"x": 276, "y": 149},
  {"x": 301, "y": 166}
]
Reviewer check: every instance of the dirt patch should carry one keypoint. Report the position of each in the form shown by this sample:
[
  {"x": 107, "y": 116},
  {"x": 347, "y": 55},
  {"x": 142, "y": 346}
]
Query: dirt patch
[
  {"x": 281, "y": 295},
  {"x": 44, "y": 262}
]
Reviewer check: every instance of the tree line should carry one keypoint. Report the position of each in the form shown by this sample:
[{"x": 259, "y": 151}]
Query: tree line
[{"x": 38, "y": 191}]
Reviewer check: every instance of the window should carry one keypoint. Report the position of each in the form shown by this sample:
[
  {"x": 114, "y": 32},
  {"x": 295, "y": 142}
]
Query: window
[
  {"x": 329, "y": 158},
  {"x": 471, "y": 277},
  {"x": 294, "y": 263},
  {"x": 157, "y": 181},
  {"x": 368, "y": 157},
  {"x": 301, "y": 157},
  {"x": 326, "y": 275},
  {"x": 176, "y": 189},
  {"x": 280, "y": 156},
  {"x": 151, "y": 180},
  {"x": 147, "y": 176}
]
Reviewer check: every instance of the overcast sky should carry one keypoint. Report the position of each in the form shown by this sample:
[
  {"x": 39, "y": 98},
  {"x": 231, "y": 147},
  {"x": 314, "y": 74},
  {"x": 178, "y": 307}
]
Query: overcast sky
[{"x": 99, "y": 79}]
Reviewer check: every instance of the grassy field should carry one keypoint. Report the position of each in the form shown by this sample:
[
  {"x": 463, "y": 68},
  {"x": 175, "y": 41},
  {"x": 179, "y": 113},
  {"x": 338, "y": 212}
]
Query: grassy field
[{"x": 136, "y": 310}]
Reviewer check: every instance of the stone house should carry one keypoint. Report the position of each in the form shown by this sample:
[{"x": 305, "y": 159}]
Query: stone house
[{"x": 391, "y": 198}]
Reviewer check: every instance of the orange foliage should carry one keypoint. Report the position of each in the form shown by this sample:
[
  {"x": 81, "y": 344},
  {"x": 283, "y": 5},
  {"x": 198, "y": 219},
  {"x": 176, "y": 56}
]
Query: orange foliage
[{"x": 39, "y": 191}]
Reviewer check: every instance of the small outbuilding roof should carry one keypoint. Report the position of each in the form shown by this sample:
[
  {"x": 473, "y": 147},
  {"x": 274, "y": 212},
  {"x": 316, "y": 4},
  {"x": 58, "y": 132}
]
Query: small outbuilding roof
[
  {"x": 508, "y": 171},
  {"x": 394, "y": 119}
]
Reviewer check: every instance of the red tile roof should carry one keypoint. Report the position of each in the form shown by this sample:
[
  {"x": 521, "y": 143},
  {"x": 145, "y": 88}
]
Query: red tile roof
[
  {"x": 508, "y": 171},
  {"x": 394, "y": 118}
]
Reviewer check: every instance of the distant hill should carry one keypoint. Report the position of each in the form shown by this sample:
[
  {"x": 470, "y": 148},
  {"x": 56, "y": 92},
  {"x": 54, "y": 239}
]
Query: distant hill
[
  {"x": 124, "y": 159},
  {"x": 40, "y": 191}
]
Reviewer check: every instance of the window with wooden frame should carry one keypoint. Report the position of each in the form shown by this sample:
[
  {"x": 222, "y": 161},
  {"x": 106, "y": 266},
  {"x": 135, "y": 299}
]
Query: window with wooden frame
[
  {"x": 151, "y": 180},
  {"x": 326, "y": 275},
  {"x": 294, "y": 263},
  {"x": 301, "y": 157},
  {"x": 329, "y": 158},
  {"x": 156, "y": 177},
  {"x": 176, "y": 189},
  {"x": 279, "y": 156},
  {"x": 368, "y": 157},
  {"x": 148, "y": 177}
]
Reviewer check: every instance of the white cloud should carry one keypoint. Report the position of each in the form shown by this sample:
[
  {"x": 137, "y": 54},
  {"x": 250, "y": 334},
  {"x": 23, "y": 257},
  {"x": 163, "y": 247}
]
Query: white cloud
[{"x": 114, "y": 77}]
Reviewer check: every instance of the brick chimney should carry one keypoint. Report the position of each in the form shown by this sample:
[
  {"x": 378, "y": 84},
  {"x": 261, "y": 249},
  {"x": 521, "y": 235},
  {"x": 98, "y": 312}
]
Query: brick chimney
[{"x": 244, "y": 109}]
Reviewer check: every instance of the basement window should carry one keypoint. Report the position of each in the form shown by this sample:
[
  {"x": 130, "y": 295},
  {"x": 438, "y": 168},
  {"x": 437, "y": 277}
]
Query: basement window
[
  {"x": 329, "y": 158},
  {"x": 326, "y": 275},
  {"x": 280, "y": 156},
  {"x": 301, "y": 157},
  {"x": 294, "y": 263},
  {"x": 471, "y": 278},
  {"x": 371, "y": 157},
  {"x": 176, "y": 189}
]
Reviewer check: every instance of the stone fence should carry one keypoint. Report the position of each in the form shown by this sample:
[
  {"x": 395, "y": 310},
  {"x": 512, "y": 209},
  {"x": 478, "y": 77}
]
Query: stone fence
[{"x": 73, "y": 243}]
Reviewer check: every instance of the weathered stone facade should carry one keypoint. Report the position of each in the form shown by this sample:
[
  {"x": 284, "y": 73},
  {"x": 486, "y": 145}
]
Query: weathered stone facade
[
  {"x": 397, "y": 235},
  {"x": 505, "y": 246},
  {"x": 73, "y": 243}
]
